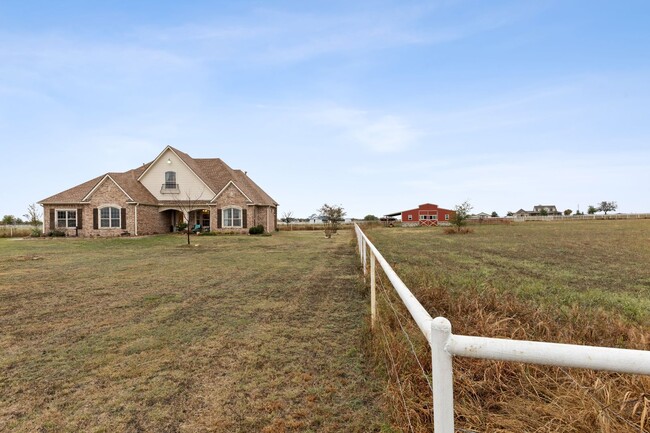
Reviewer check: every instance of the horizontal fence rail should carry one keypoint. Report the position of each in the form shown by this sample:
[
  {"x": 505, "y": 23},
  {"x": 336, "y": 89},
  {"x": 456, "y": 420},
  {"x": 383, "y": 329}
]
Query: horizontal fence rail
[{"x": 444, "y": 344}]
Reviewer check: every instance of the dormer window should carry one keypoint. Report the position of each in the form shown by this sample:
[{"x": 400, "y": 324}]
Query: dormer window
[{"x": 170, "y": 186}]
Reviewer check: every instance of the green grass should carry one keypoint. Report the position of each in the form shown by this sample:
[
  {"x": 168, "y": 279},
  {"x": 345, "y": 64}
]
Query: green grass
[
  {"x": 579, "y": 282},
  {"x": 592, "y": 264},
  {"x": 231, "y": 334}
]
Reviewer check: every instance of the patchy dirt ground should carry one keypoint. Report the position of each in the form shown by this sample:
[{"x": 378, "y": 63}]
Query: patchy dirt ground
[{"x": 232, "y": 334}]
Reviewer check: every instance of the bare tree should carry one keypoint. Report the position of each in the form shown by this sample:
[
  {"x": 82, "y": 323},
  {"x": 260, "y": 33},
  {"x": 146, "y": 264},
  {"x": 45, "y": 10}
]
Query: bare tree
[
  {"x": 333, "y": 214},
  {"x": 287, "y": 217},
  {"x": 187, "y": 205},
  {"x": 33, "y": 215}
]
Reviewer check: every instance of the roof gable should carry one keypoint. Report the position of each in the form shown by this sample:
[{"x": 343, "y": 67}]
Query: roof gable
[
  {"x": 104, "y": 179},
  {"x": 226, "y": 187},
  {"x": 208, "y": 178},
  {"x": 190, "y": 179}
]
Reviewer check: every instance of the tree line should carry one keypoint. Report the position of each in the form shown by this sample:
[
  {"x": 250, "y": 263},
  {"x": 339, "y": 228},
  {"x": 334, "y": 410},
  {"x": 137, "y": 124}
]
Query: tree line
[{"x": 32, "y": 217}]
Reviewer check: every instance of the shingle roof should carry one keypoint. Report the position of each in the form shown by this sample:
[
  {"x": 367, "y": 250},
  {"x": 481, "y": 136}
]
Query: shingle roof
[
  {"x": 75, "y": 194},
  {"x": 216, "y": 174},
  {"x": 213, "y": 171}
]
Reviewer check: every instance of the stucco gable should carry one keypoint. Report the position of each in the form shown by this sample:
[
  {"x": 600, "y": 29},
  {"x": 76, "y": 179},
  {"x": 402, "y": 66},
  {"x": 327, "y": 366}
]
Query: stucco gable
[{"x": 188, "y": 177}]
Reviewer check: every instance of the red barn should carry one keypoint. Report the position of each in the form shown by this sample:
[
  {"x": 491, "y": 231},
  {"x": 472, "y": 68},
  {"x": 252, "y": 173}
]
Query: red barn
[{"x": 427, "y": 214}]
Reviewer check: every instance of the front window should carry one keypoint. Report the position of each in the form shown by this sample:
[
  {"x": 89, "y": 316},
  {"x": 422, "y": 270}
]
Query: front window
[
  {"x": 110, "y": 218},
  {"x": 66, "y": 218},
  {"x": 410, "y": 217},
  {"x": 446, "y": 217},
  {"x": 232, "y": 217},
  {"x": 170, "y": 180}
]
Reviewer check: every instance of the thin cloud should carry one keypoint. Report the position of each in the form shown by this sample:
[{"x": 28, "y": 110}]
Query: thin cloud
[{"x": 380, "y": 133}]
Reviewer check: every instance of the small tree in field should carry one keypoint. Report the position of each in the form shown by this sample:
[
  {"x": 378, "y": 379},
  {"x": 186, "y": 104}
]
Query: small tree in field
[
  {"x": 459, "y": 219},
  {"x": 370, "y": 218},
  {"x": 186, "y": 205},
  {"x": 494, "y": 215},
  {"x": 568, "y": 212},
  {"x": 287, "y": 217},
  {"x": 607, "y": 206},
  {"x": 333, "y": 214},
  {"x": 33, "y": 215},
  {"x": 592, "y": 210}
]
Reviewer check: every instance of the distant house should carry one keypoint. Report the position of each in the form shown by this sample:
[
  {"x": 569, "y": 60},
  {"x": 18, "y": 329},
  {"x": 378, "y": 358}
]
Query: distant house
[
  {"x": 155, "y": 198},
  {"x": 317, "y": 219},
  {"x": 427, "y": 214},
  {"x": 481, "y": 215},
  {"x": 322, "y": 219},
  {"x": 540, "y": 209}
]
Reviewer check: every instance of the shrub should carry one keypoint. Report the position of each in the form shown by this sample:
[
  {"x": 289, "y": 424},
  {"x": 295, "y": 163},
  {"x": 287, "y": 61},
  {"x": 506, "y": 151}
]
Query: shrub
[
  {"x": 256, "y": 230},
  {"x": 56, "y": 233},
  {"x": 36, "y": 233},
  {"x": 460, "y": 231}
]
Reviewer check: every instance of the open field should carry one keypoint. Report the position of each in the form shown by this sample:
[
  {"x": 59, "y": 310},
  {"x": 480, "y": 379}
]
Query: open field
[
  {"x": 237, "y": 334},
  {"x": 579, "y": 282}
]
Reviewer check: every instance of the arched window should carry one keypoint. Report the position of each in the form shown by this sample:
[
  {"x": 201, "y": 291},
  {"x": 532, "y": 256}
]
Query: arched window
[
  {"x": 232, "y": 217},
  {"x": 170, "y": 180},
  {"x": 109, "y": 218}
]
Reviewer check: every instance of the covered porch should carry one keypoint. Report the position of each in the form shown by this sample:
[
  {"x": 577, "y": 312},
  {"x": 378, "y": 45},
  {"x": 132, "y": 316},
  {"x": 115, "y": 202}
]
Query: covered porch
[{"x": 178, "y": 219}]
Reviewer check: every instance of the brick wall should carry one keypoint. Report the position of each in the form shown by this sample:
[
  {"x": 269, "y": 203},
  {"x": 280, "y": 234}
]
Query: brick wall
[
  {"x": 231, "y": 196},
  {"x": 151, "y": 221}
]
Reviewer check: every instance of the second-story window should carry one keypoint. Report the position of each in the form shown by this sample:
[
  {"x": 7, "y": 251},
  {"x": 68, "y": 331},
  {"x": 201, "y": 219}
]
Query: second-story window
[{"x": 170, "y": 180}]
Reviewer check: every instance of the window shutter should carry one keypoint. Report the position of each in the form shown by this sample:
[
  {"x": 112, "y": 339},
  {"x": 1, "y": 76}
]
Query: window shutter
[
  {"x": 80, "y": 218},
  {"x": 123, "y": 218},
  {"x": 95, "y": 222},
  {"x": 244, "y": 220},
  {"x": 218, "y": 218},
  {"x": 52, "y": 220}
]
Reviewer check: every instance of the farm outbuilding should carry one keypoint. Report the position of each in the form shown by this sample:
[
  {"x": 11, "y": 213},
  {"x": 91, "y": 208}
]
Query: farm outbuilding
[{"x": 427, "y": 214}]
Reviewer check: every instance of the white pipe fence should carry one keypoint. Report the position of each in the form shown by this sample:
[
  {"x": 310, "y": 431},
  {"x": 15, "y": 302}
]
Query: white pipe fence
[{"x": 444, "y": 344}]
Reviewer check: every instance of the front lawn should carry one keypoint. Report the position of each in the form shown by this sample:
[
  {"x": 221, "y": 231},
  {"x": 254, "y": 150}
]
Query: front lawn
[{"x": 232, "y": 334}]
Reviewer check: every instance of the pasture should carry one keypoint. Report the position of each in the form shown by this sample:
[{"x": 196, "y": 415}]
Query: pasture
[
  {"x": 577, "y": 282},
  {"x": 232, "y": 334},
  {"x": 269, "y": 334}
]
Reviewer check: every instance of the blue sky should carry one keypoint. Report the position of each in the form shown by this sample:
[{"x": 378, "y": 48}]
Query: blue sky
[{"x": 378, "y": 106}]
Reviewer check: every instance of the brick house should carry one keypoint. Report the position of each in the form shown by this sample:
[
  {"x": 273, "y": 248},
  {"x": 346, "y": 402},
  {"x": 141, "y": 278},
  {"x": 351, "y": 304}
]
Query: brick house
[
  {"x": 427, "y": 214},
  {"x": 154, "y": 198}
]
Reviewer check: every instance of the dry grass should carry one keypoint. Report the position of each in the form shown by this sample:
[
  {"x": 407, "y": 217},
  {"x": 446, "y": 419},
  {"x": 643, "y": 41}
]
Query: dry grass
[
  {"x": 584, "y": 283},
  {"x": 15, "y": 231},
  {"x": 237, "y": 334}
]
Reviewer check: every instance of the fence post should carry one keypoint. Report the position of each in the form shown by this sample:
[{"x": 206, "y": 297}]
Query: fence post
[
  {"x": 359, "y": 238},
  {"x": 363, "y": 256},
  {"x": 443, "y": 379},
  {"x": 373, "y": 297}
]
